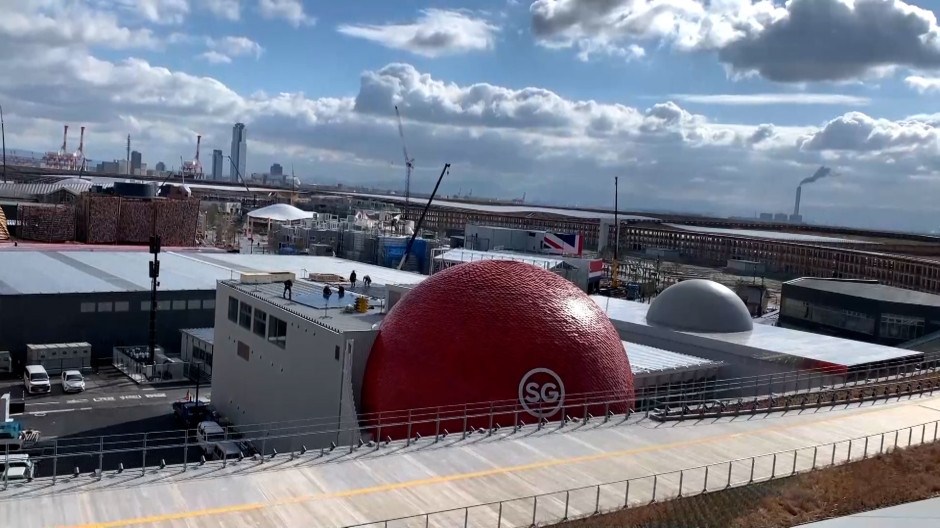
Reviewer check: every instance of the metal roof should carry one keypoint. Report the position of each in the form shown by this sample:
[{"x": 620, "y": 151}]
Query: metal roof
[
  {"x": 510, "y": 208},
  {"x": 203, "y": 334},
  {"x": 866, "y": 289},
  {"x": 26, "y": 191},
  {"x": 646, "y": 359},
  {"x": 48, "y": 272},
  {"x": 772, "y": 235},
  {"x": 769, "y": 343},
  {"x": 471, "y": 255}
]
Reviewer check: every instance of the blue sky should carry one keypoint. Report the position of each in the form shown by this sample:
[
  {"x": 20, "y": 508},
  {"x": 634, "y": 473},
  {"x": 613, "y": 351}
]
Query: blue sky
[{"x": 719, "y": 107}]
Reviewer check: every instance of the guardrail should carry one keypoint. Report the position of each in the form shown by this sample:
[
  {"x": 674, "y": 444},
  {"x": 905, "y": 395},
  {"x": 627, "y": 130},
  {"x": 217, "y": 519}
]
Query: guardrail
[
  {"x": 426, "y": 425},
  {"x": 586, "y": 501},
  {"x": 95, "y": 455}
]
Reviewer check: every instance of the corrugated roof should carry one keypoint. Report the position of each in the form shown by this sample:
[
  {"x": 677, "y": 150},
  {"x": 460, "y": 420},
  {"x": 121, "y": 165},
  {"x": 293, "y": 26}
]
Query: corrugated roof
[
  {"x": 771, "y": 235},
  {"x": 27, "y": 191},
  {"x": 768, "y": 343},
  {"x": 867, "y": 290},
  {"x": 646, "y": 359},
  {"x": 203, "y": 334},
  {"x": 47, "y": 272},
  {"x": 510, "y": 208},
  {"x": 471, "y": 255}
]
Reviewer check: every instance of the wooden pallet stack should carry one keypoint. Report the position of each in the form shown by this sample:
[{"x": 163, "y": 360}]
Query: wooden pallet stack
[
  {"x": 46, "y": 223},
  {"x": 4, "y": 233}
]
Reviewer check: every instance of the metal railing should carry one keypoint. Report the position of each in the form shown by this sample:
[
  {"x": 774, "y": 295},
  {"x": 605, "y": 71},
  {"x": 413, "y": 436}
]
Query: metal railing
[
  {"x": 95, "y": 454},
  {"x": 259, "y": 442},
  {"x": 586, "y": 501}
]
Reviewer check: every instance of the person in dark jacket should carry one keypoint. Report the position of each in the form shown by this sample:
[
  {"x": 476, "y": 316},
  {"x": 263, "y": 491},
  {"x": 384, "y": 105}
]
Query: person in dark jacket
[{"x": 352, "y": 279}]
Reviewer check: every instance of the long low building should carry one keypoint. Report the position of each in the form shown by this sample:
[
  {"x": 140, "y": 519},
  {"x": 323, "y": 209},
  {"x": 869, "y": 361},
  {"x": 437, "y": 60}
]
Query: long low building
[{"x": 103, "y": 297}]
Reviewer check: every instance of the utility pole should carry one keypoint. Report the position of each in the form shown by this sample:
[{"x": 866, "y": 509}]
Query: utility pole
[
  {"x": 615, "y": 265},
  {"x": 154, "y": 275},
  {"x": 3, "y": 135},
  {"x": 127, "y": 160}
]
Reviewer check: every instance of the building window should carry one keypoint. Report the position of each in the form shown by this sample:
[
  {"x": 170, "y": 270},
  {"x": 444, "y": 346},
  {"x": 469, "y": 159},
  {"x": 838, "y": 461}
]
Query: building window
[
  {"x": 233, "y": 309},
  {"x": 88, "y": 307},
  {"x": 243, "y": 351},
  {"x": 244, "y": 316},
  {"x": 277, "y": 332},
  {"x": 260, "y": 322},
  {"x": 179, "y": 305},
  {"x": 193, "y": 304},
  {"x": 901, "y": 327},
  {"x": 208, "y": 304},
  {"x": 163, "y": 306},
  {"x": 144, "y": 306},
  {"x": 122, "y": 306},
  {"x": 105, "y": 307}
]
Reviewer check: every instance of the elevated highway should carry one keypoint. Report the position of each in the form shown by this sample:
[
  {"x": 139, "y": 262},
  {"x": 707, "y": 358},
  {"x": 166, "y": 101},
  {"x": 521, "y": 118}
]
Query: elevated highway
[{"x": 497, "y": 476}]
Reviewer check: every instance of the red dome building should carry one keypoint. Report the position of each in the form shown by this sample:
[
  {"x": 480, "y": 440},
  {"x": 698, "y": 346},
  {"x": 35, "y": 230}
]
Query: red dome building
[{"x": 493, "y": 337}]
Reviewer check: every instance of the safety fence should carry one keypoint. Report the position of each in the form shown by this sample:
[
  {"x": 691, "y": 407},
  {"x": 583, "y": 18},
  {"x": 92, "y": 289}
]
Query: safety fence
[
  {"x": 329, "y": 437},
  {"x": 586, "y": 501}
]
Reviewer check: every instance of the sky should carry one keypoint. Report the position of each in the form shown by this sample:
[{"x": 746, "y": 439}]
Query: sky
[{"x": 716, "y": 107}]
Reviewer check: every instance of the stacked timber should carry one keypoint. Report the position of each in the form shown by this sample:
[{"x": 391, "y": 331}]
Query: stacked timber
[
  {"x": 4, "y": 233},
  {"x": 109, "y": 219},
  {"x": 46, "y": 223}
]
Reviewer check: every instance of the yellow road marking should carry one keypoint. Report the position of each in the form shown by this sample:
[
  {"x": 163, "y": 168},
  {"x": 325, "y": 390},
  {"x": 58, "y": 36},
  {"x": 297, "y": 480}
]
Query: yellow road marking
[{"x": 459, "y": 476}]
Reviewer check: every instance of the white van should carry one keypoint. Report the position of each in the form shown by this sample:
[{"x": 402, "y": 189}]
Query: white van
[
  {"x": 16, "y": 467},
  {"x": 211, "y": 438},
  {"x": 36, "y": 379}
]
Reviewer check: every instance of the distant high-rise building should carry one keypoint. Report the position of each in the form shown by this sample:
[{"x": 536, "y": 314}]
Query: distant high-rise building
[
  {"x": 239, "y": 152},
  {"x": 161, "y": 167},
  {"x": 217, "y": 164},
  {"x": 277, "y": 170},
  {"x": 136, "y": 160}
]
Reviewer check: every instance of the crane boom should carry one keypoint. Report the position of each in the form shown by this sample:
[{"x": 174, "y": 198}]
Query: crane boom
[{"x": 409, "y": 162}]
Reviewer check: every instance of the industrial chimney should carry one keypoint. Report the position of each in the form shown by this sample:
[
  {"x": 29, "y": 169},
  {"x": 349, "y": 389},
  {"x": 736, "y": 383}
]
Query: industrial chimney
[{"x": 796, "y": 204}]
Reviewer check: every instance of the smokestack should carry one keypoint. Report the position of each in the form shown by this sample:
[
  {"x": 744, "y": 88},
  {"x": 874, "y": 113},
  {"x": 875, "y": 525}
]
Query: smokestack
[
  {"x": 81, "y": 142},
  {"x": 65, "y": 139},
  {"x": 796, "y": 205}
]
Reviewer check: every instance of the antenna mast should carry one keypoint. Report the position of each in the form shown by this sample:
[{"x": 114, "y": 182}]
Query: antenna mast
[
  {"x": 409, "y": 162},
  {"x": 127, "y": 160}
]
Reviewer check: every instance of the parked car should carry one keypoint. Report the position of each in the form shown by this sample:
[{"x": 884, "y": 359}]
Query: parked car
[
  {"x": 190, "y": 413},
  {"x": 16, "y": 467},
  {"x": 73, "y": 381},
  {"x": 211, "y": 437},
  {"x": 36, "y": 380}
]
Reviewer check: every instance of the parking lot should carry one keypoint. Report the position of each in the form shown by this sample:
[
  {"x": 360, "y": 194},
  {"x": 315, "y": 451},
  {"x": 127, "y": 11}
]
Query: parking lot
[{"x": 112, "y": 406}]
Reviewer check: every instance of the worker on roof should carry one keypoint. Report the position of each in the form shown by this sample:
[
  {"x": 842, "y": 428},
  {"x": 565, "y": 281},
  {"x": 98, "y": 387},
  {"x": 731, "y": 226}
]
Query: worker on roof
[{"x": 352, "y": 279}]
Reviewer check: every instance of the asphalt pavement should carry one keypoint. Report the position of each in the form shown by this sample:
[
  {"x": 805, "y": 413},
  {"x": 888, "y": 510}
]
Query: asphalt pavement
[{"x": 126, "y": 415}]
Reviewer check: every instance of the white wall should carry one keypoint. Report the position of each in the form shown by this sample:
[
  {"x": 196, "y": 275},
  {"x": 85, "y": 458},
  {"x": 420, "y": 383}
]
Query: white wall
[{"x": 299, "y": 382}]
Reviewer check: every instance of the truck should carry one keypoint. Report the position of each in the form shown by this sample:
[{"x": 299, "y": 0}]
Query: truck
[
  {"x": 212, "y": 439},
  {"x": 14, "y": 438}
]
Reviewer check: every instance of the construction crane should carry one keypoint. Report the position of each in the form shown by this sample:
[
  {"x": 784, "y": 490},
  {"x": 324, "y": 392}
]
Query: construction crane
[
  {"x": 409, "y": 162},
  {"x": 427, "y": 206}
]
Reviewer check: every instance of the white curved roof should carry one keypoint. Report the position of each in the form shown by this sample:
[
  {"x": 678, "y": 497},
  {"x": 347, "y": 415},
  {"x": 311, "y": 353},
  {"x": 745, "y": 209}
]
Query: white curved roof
[
  {"x": 700, "y": 305},
  {"x": 280, "y": 213}
]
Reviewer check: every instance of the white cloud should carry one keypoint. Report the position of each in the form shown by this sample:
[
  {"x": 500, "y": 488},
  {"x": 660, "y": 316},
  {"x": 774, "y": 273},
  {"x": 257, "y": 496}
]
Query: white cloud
[
  {"x": 803, "y": 40},
  {"x": 215, "y": 57},
  {"x": 226, "y": 9},
  {"x": 51, "y": 24},
  {"x": 923, "y": 84},
  {"x": 501, "y": 141},
  {"x": 774, "y": 99},
  {"x": 158, "y": 11},
  {"x": 436, "y": 32},
  {"x": 290, "y": 10}
]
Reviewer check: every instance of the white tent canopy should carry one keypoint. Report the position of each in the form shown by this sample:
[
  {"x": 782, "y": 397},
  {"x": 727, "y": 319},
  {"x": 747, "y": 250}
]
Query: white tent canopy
[{"x": 280, "y": 213}]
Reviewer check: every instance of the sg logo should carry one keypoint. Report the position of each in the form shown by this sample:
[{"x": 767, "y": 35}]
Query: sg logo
[{"x": 541, "y": 392}]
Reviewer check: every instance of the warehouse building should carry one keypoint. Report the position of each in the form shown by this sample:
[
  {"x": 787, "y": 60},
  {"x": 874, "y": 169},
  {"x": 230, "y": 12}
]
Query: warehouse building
[
  {"x": 103, "y": 297},
  {"x": 859, "y": 309}
]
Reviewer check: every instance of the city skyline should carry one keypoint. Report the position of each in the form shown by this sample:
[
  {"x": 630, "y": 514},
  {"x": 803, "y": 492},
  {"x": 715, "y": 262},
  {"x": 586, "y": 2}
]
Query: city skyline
[{"x": 714, "y": 107}]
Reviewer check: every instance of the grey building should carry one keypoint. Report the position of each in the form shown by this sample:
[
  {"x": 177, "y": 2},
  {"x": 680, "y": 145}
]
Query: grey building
[
  {"x": 859, "y": 309},
  {"x": 136, "y": 161},
  {"x": 280, "y": 360},
  {"x": 277, "y": 170},
  {"x": 238, "y": 167},
  {"x": 217, "y": 164},
  {"x": 160, "y": 166}
]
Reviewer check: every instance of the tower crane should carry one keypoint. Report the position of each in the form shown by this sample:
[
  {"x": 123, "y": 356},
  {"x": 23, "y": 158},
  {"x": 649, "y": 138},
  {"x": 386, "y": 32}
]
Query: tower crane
[{"x": 409, "y": 162}]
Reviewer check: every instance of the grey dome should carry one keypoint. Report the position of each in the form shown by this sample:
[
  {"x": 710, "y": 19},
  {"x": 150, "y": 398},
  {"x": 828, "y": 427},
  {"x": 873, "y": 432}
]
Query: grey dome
[{"x": 700, "y": 305}]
